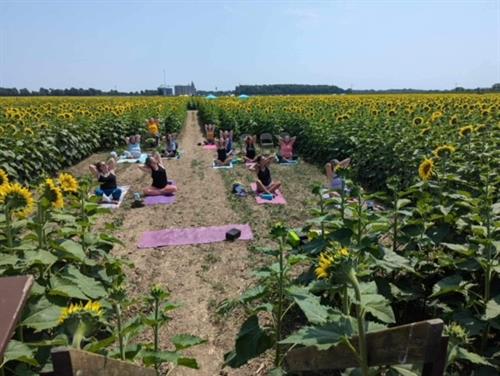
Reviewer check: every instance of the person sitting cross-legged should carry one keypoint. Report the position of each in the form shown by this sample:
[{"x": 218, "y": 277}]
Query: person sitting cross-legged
[
  {"x": 264, "y": 181},
  {"x": 160, "y": 185},
  {"x": 223, "y": 159}
]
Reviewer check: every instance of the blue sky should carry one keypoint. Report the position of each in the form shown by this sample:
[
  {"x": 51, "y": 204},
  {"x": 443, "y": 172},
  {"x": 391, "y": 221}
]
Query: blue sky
[{"x": 367, "y": 44}]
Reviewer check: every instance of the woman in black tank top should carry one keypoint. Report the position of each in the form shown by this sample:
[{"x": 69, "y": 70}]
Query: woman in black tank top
[
  {"x": 264, "y": 181},
  {"x": 105, "y": 175},
  {"x": 250, "y": 152},
  {"x": 222, "y": 158},
  {"x": 160, "y": 185}
]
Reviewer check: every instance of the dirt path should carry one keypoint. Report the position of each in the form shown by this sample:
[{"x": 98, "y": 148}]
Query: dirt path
[{"x": 197, "y": 276}]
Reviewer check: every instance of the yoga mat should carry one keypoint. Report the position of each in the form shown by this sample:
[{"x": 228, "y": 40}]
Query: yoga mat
[
  {"x": 289, "y": 163},
  {"x": 110, "y": 205},
  {"x": 193, "y": 235},
  {"x": 210, "y": 147},
  {"x": 277, "y": 200},
  {"x": 230, "y": 165},
  {"x": 292, "y": 162},
  {"x": 160, "y": 200},
  {"x": 141, "y": 159}
]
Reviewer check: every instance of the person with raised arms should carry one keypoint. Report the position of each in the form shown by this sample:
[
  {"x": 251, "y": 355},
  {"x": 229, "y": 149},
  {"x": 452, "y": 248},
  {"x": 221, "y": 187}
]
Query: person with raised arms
[
  {"x": 336, "y": 182},
  {"x": 106, "y": 176},
  {"x": 286, "y": 148},
  {"x": 133, "y": 147},
  {"x": 160, "y": 185},
  {"x": 171, "y": 145},
  {"x": 250, "y": 152},
  {"x": 223, "y": 159},
  {"x": 264, "y": 181},
  {"x": 210, "y": 134}
]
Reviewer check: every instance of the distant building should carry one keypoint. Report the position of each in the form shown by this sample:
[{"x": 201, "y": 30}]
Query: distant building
[
  {"x": 164, "y": 90},
  {"x": 185, "y": 89}
]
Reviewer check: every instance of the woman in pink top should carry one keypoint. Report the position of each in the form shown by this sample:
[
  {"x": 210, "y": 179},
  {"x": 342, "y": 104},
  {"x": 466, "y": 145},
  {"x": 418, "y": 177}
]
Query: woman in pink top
[{"x": 286, "y": 148}]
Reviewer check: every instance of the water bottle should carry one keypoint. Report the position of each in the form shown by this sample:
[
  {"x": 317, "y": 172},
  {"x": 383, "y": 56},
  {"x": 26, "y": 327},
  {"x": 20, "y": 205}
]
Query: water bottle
[{"x": 137, "y": 196}]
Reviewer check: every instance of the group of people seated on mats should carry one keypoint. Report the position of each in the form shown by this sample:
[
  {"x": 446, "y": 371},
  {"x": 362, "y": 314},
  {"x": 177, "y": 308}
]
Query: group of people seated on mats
[
  {"x": 264, "y": 182},
  {"x": 105, "y": 173},
  {"x": 109, "y": 191},
  {"x": 171, "y": 147}
]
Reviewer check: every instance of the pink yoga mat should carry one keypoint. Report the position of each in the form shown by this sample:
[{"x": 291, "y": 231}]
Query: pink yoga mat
[
  {"x": 277, "y": 200},
  {"x": 193, "y": 235},
  {"x": 210, "y": 147}
]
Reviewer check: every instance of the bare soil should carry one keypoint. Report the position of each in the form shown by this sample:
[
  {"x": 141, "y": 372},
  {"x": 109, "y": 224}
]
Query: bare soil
[{"x": 199, "y": 277}]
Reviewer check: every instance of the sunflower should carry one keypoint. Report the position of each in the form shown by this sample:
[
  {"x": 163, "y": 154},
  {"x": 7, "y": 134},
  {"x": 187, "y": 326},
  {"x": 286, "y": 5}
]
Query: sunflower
[
  {"x": 18, "y": 198},
  {"x": 92, "y": 308},
  {"x": 424, "y": 131},
  {"x": 480, "y": 128},
  {"x": 69, "y": 311},
  {"x": 325, "y": 263},
  {"x": 418, "y": 120},
  {"x": 53, "y": 193},
  {"x": 68, "y": 183},
  {"x": 426, "y": 169},
  {"x": 392, "y": 112},
  {"x": 465, "y": 131},
  {"x": 485, "y": 113},
  {"x": 436, "y": 115},
  {"x": 444, "y": 150},
  {"x": 453, "y": 120},
  {"x": 4, "y": 178}
]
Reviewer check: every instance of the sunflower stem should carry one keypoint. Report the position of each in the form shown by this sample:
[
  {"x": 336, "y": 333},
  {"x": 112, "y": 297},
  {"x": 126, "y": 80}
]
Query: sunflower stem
[
  {"x": 277, "y": 360},
  {"x": 8, "y": 227},
  {"x": 395, "y": 222},
  {"x": 342, "y": 200},
  {"x": 120, "y": 334},
  {"x": 360, "y": 316},
  {"x": 156, "y": 328}
]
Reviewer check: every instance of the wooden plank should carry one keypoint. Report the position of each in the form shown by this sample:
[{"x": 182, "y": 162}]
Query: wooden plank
[
  {"x": 407, "y": 344},
  {"x": 14, "y": 292},
  {"x": 74, "y": 362},
  {"x": 437, "y": 367}
]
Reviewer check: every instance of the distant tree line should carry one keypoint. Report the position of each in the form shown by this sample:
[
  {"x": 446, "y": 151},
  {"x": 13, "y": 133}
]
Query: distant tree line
[
  {"x": 287, "y": 89},
  {"x": 459, "y": 89},
  {"x": 14, "y": 92},
  {"x": 281, "y": 89}
]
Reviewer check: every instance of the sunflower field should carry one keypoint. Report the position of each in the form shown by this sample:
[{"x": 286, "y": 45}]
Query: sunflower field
[
  {"x": 431, "y": 249},
  {"x": 43, "y": 135},
  {"x": 47, "y": 218},
  {"x": 385, "y": 135}
]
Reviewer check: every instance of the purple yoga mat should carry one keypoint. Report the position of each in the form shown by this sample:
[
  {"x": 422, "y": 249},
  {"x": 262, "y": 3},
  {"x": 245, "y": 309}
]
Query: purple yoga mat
[
  {"x": 192, "y": 235},
  {"x": 159, "y": 200},
  {"x": 277, "y": 200}
]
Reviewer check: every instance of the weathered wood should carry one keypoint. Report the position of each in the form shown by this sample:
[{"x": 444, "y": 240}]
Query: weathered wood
[
  {"x": 437, "y": 367},
  {"x": 14, "y": 292},
  {"x": 74, "y": 362},
  {"x": 419, "y": 342}
]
